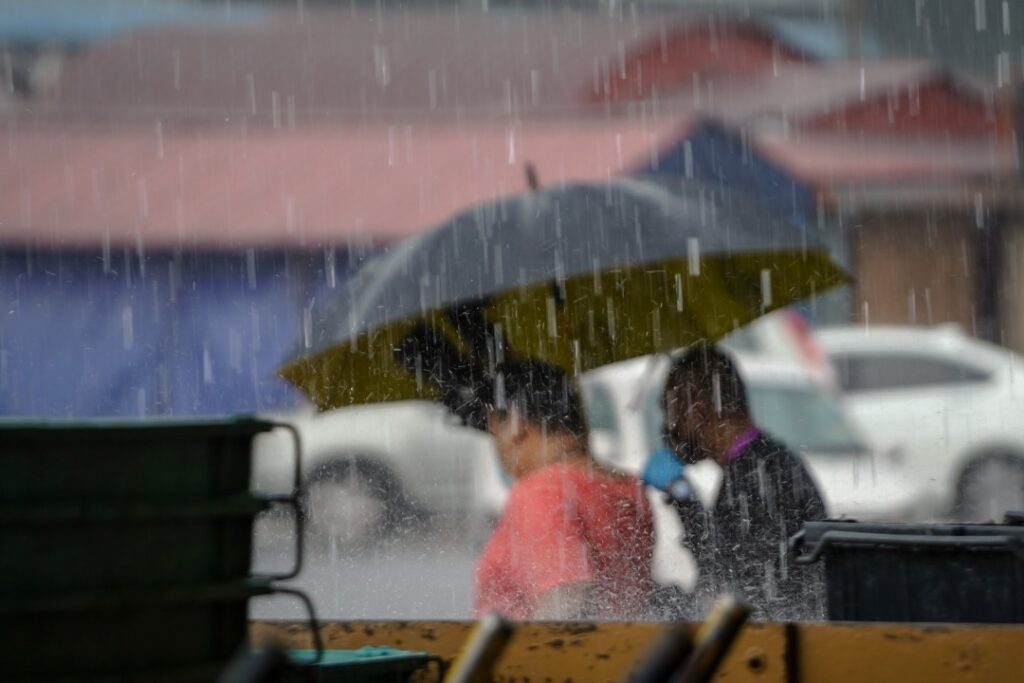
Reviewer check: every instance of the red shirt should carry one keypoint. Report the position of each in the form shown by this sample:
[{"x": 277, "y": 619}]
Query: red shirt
[{"x": 568, "y": 524}]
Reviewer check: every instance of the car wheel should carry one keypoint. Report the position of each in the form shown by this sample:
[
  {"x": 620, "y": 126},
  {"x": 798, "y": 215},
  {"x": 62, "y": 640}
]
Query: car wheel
[
  {"x": 989, "y": 488},
  {"x": 353, "y": 501}
]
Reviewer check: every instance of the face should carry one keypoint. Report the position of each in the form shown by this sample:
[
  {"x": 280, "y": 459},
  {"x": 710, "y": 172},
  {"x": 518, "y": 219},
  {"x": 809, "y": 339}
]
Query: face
[
  {"x": 687, "y": 416},
  {"x": 509, "y": 434}
]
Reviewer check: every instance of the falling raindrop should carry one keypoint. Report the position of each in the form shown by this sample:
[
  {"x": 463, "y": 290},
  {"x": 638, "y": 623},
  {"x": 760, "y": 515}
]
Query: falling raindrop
[
  {"x": 307, "y": 326},
  {"x": 250, "y": 88},
  {"x": 381, "y": 66},
  {"x": 250, "y": 267},
  {"x": 510, "y": 137},
  {"x": 159, "y": 139},
  {"x": 693, "y": 256},
  {"x": 330, "y": 266},
  {"x": 127, "y": 328},
  {"x": 1003, "y": 66},
  {"x": 432, "y": 87},
  {"x": 105, "y": 251},
  {"x": 610, "y": 306},
  {"x": 766, "y": 289},
  {"x": 716, "y": 392},
  {"x": 208, "y": 378}
]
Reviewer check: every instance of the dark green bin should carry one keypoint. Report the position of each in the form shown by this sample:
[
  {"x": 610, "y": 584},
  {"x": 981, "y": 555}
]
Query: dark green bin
[
  {"x": 947, "y": 573},
  {"x": 124, "y": 547},
  {"x": 88, "y": 547},
  {"x": 124, "y": 634},
  {"x": 154, "y": 460}
]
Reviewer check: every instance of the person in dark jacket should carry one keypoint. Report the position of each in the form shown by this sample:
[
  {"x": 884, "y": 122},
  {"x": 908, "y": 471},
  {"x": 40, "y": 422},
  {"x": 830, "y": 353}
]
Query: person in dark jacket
[{"x": 741, "y": 543}]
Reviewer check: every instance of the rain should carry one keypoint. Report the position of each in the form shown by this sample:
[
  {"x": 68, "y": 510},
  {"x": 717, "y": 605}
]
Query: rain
[{"x": 571, "y": 311}]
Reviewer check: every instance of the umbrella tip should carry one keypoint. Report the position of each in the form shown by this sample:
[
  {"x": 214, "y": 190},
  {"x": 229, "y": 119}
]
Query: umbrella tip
[{"x": 532, "y": 181}]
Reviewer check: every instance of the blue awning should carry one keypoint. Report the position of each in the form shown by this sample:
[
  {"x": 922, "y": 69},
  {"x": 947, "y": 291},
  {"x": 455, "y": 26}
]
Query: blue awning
[{"x": 189, "y": 334}]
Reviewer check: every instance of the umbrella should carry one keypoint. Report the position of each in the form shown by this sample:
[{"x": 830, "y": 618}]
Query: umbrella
[{"x": 579, "y": 275}]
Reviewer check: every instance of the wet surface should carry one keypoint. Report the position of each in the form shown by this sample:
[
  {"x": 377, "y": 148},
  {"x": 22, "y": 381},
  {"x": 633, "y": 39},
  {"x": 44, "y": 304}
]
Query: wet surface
[{"x": 416, "y": 574}]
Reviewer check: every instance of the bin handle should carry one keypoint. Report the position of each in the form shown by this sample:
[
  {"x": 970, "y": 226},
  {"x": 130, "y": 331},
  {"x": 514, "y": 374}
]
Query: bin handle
[
  {"x": 854, "y": 538},
  {"x": 292, "y": 500},
  {"x": 314, "y": 623}
]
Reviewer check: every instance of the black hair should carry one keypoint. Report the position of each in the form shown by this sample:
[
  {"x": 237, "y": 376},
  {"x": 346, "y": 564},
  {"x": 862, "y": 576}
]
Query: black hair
[
  {"x": 541, "y": 394},
  {"x": 708, "y": 371},
  {"x": 537, "y": 391}
]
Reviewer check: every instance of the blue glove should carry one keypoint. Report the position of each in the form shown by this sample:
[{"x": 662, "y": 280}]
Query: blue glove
[{"x": 662, "y": 468}]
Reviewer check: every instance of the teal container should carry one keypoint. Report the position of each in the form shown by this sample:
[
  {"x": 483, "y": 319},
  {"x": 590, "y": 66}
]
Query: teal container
[
  {"x": 365, "y": 665},
  {"x": 157, "y": 460}
]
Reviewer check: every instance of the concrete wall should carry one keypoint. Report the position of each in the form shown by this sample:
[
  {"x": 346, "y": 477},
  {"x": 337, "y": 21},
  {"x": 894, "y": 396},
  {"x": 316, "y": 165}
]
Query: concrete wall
[
  {"x": 915, "y": 268},
  {"x": 1011, "y": 289}
]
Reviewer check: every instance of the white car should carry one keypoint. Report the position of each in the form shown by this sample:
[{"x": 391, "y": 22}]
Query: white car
[
  {"x": 782, "y": 336},
  {"x": 946, "y": 412},
  {"x": 788, "y": 400},
  {"x": 370, "y": 469}
]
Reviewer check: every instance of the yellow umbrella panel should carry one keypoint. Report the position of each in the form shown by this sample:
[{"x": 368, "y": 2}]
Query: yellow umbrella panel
[{"x": 580, "y": 323}]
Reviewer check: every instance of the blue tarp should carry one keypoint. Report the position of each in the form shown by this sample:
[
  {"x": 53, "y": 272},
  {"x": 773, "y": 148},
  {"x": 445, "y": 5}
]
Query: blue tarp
[
  {"x": 77, "y": 22},
  {"x": 195, "y": 333},
  {"x": 714, "y": 154}
]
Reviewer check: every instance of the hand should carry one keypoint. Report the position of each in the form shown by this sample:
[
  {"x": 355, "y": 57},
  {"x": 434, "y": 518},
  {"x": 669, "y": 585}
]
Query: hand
[{"x": 662, "y": 468}]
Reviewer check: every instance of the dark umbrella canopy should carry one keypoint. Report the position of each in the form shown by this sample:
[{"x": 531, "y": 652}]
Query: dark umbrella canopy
[{"x": 579, "y": 275}]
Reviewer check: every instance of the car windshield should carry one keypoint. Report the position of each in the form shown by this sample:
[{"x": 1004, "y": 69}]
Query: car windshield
[{"x": 805, "y": 419}]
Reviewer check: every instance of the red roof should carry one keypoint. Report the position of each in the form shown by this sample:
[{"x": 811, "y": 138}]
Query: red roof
[
  {"x": 302, "y": 187},
  {"x": 691, "y": 56},
  {"x": 797, "y": 91},
  {"x": 828, "y": 161},
  {"x": 885, "y": 98}
]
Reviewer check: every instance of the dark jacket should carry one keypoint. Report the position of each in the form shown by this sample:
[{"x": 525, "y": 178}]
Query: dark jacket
[{"x": 741, "y": 543}]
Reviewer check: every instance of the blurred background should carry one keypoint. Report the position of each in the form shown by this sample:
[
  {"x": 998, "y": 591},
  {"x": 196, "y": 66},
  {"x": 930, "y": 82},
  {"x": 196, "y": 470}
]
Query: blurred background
[{"x": 184, "y": 184}]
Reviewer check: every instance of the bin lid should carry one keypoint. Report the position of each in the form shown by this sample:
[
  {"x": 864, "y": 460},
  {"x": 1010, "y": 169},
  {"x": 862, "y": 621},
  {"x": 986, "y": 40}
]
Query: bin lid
[
  {"x": 236, "y": 424},
  {"x": 815, "y": 530},
  {"x": 816, "y": 537}
]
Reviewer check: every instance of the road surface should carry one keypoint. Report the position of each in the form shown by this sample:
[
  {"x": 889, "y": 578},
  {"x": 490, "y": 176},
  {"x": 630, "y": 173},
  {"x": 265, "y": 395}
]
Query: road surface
[{"x": 419, "y": 574}]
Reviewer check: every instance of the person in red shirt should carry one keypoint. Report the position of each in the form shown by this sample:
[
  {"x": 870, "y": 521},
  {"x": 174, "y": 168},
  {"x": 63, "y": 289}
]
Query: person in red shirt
[{"x": 576, "y": 540}]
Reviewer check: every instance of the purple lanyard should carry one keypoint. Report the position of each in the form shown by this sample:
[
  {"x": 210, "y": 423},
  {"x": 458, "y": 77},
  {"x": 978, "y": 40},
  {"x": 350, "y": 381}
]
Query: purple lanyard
[{"x": 740, "y": 444}]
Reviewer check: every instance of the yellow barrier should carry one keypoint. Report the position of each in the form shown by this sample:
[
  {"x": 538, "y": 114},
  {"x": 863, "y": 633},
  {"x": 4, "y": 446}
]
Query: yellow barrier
[{"x": 764, "y": 653}]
